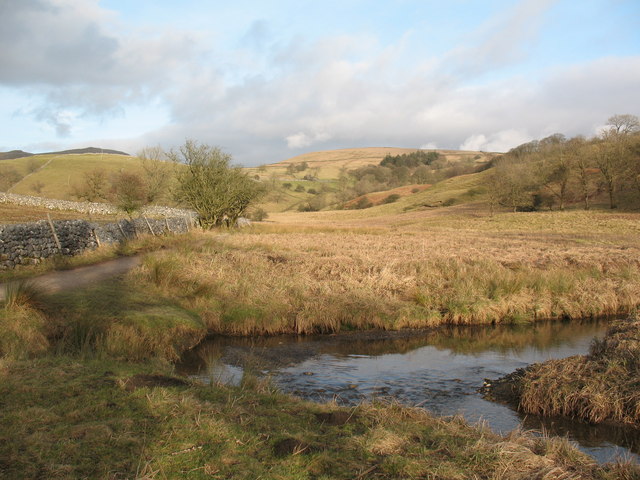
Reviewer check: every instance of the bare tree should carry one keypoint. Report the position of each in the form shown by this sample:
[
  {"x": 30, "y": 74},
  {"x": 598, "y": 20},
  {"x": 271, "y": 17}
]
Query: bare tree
[
  {"x": 93, "y": 187},
  {"x": 129, "y": 192},
  {"x": 624, "y": 124},
  {"x": 158, "y": 173}
]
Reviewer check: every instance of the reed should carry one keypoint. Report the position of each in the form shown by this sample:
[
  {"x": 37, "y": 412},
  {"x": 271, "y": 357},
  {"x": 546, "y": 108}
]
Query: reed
[{"x": 322, "y": 281}]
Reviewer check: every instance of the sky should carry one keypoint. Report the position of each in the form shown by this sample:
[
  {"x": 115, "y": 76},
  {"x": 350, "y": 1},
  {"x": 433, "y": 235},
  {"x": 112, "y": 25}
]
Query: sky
[{"x": 266, "y": 81}]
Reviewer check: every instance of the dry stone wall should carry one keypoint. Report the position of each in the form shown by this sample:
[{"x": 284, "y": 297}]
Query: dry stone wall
[
  {"x": 87, "y": 207},
  {"x": 29, "y": 243}
]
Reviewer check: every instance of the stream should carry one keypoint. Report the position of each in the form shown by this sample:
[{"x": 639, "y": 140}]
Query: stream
[{"x": 439, "y": 370}]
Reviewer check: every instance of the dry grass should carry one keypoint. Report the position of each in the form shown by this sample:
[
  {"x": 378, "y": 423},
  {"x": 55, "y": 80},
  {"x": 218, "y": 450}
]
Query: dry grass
[
  {"x": 330, "y": 279},
  {"x": 599, "y": 387}
]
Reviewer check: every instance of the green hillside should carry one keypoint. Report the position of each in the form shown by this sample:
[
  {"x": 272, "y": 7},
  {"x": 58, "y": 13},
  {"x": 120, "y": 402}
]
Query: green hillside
[{"x": 55, "y": 175}]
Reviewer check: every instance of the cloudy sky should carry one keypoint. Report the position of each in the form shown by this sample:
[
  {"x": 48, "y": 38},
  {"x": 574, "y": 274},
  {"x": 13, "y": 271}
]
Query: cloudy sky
[{"x": 270, "y": 80}]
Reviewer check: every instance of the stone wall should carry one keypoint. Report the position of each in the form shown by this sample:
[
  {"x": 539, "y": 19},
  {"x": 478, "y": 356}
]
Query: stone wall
[
  {"x": 86, "y": 207},
  {"x": 29, "y": 243}
]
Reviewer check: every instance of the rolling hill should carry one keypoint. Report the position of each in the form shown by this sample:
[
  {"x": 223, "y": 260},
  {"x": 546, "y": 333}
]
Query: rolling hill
[
  {"x": 21, "y": 154},
  {"x": 54, "y": 175}
]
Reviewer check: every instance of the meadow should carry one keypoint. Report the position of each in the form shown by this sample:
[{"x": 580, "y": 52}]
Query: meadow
[
  {"x": 87, "y": 382},
  {"x": 88, "y": 385}
]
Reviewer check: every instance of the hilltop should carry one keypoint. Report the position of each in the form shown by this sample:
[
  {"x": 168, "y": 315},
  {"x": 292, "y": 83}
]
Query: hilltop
[{"x": 13, "y": 154}]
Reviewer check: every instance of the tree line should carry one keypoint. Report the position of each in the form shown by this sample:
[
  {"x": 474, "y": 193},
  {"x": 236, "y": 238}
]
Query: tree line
[{"x": 557, "y": 171}]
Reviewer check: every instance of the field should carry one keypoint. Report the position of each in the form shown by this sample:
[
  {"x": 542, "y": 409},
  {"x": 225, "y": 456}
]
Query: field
[{"x": 86, "y": 375}]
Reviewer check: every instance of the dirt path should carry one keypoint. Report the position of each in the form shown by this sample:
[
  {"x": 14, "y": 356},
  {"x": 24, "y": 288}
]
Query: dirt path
[{"x": 80, "y": 277}]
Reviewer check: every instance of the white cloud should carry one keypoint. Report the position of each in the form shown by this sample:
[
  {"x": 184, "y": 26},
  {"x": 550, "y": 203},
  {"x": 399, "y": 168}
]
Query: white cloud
[
  {"x": 301, "y": 139},
  {"x": 277, "y": 92},
  {"x": 496, "y": 142}
]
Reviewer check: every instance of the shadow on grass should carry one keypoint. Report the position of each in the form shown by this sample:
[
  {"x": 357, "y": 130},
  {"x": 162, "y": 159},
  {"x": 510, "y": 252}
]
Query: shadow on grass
[
  {"x": 119, "y": 320},
  {"x": 65, "y": 419}
]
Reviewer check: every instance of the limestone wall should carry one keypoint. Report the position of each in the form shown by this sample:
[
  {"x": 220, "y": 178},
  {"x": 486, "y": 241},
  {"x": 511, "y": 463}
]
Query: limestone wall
[
  {"x": 86, "y": 207},
  {"x": 29, "y": 243}
]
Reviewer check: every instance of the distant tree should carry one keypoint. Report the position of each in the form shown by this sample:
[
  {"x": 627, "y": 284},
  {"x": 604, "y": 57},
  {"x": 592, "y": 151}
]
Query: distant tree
[
  {"x": 32, "y": 165},
  {"x": 607, "y": 158},
  {"x": 623, "y": 124},
  {"x": 421, "y": 174},
  {"x": 94, "y": 186},
  {"x": 129, "y": 192},
  {"x": 555, "y": 173},
  {"x": 299, "y": 188},
  {"x": 287, "y": 186},
  {"x": 37, "y": 186},
  {"x": 216, "y": 190},
  {"x": 158, "y": 173},
  {"x": 513, "y": 184},
  {"x": 583, "y": 166}
]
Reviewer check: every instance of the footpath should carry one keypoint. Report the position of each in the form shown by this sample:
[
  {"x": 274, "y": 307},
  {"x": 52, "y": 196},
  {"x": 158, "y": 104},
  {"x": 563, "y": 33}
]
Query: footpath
[{"x": 79, "y": 277}]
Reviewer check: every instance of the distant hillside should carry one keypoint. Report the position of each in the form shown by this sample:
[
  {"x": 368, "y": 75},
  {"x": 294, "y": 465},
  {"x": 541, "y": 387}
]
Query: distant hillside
[
  {"x": 14, "y": 154},
  {"x": 56, "y": 174},
  {"x": 21, "y": 154},
  {"x": 329, "y": 163}
]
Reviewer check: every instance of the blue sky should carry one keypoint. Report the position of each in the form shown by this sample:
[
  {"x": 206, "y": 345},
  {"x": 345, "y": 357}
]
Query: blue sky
[{"x": 270, "y": 80}]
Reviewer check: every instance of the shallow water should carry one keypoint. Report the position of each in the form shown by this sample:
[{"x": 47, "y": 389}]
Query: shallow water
[{"x": 437, "y": 370}]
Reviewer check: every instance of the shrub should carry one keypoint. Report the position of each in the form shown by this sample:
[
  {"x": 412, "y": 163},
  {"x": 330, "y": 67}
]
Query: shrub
[
  {"x": 258, "y": 214},
  {"x": 299, "y": 188},
  {"x": 394, "y": 197},
  {"x": 363, "y": 203}
]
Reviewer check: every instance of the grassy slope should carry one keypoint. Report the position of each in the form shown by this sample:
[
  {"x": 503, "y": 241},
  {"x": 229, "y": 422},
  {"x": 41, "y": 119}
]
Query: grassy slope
[
  {"x": 330, "y": 162},
  {"x": 63, "y": 171}
]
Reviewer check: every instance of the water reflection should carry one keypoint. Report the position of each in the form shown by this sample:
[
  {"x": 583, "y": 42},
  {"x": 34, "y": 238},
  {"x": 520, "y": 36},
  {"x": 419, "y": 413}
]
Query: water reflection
[{"x": 437, "y": 370}]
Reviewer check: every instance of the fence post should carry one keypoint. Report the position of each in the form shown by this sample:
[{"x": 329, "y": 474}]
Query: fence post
[
  {"x": 149, "y": 225},
  {"x": 55, "y": 235},
  {"x": 95, "y": 235},
  {"x": 124, "y": 235}
]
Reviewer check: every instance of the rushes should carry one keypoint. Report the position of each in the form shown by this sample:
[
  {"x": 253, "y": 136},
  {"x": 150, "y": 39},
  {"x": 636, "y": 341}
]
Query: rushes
[
  {"x": 22, "y": 324},
  {"x": 601, "y": 386},
  {"x": 252, "y": 284}
]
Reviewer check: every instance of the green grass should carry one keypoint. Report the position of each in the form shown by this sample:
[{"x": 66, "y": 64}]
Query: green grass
[
  {"x": 65, "y": 419},
  {"x": 62, "y": 172}
]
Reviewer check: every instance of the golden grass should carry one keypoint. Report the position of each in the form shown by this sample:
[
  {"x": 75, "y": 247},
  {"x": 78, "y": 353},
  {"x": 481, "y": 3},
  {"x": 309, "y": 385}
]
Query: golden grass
[{"x": 324, "y": 279}]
